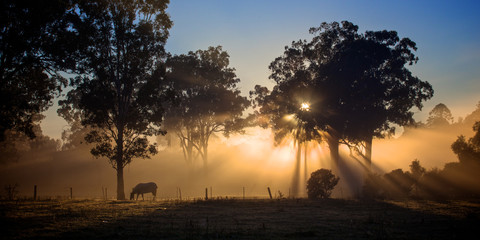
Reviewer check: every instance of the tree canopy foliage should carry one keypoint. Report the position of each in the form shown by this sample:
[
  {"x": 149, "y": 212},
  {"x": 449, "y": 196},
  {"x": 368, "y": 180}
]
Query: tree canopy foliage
[
  {"x": 207, "y": 100},
  {"x": 473, "y": 117},
  {"x": 19, "y": 147},
  {"x": 440, "y": 115},
  {"x": 31, "y": 33},
  {"x": 358, "y": 85},
  {"x": 119, "y": 93},
  {"x": 468, "y": 151}
]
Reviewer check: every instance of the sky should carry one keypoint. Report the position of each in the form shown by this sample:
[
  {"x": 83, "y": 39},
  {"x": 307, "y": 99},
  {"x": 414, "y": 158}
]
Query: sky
[{"x": 254, "y": 33}]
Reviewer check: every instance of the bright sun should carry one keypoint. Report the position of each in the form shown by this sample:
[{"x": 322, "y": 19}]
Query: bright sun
[{"x": 305, "y": 107}]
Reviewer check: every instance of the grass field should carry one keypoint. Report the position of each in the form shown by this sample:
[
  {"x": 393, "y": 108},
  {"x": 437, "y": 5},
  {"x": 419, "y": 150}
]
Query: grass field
[{"x": 239, "y": 219}]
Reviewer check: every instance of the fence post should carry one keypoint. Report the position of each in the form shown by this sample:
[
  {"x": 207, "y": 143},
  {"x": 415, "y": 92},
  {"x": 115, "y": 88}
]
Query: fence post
[
  {"x": 243, "y": 193},
  {"x": 269, "y": 192},
  {"x": 71, "y": 193},
  {"x": 206, "y": 193},
  {"x": 34, "y": 192}
]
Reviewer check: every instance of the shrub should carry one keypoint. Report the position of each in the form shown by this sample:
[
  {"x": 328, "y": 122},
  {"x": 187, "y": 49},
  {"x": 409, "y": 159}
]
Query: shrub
[
  {"x": 321, "y": 183},
  {"x": 433, "y": 185},
  {"x": 397, "y": 184},
  {"x": 374, "y": 187}
]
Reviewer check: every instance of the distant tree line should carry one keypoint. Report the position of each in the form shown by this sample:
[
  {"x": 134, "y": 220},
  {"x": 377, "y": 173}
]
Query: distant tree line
[{"x": 457, "y": 180}]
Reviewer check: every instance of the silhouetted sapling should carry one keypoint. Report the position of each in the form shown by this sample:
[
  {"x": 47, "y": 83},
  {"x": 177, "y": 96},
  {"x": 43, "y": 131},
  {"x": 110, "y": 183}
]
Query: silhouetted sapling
[{"x": 321, "y": 184}]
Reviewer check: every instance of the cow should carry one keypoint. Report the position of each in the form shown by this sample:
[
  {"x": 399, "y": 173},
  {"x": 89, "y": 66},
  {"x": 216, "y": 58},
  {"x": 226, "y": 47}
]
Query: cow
[{"x": 142, "y": 188}]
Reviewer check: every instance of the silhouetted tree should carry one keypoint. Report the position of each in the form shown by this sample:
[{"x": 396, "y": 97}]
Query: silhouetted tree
[
  {"x": 281, "y": 110},
  {"x": 357, "y": 84},
  {"x": 369, "y": 87},
  {"x": 464, "y": 174},
  {"x": 30, "y": 56},
  {"x": 295, "y": 74},
  {"x": 14, "y": 144},
  {"x": 417, "y": 170},
  {"x": 468, "y": 151},
  {"x": 473, "y": 117},
  {"x": 208, "y": 100},
  {"x": 321, "y": 183},
  {"x": 439, "y": 116},
  {"x": 19, "y": 146},
  {"x": 120, "y": 94},
  {"x": 74, "y": 135}
]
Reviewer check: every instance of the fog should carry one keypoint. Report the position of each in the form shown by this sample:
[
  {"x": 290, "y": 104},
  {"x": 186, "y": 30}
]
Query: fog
[
  {"x": 430, "y": 146},
  {"x": 249, "y": 161}
]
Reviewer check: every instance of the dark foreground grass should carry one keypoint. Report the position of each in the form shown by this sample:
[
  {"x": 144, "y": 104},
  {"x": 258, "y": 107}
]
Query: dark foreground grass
[{"x": 239, "y": 219}]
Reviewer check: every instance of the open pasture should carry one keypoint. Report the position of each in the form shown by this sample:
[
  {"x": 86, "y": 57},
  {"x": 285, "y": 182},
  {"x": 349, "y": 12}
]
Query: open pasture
[{"x": 239, "y": 219}]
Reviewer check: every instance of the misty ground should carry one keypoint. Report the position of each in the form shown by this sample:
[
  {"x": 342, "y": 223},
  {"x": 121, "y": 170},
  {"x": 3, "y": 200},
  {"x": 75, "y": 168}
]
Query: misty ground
[{"x": 239, "y": 219}]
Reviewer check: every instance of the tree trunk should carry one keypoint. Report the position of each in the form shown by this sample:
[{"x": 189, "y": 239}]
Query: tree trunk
[
  {"x": 332, "y": 141},
  {"x": 189, "y": 157},
  {"x": 205, "y": 156},
  {"x": 305, "y": 170},
  {"x": 296, "y": 173},
  {"x": 368, "y": 152},
  {"x": 204, "y": 141},
  {"x": 120, "y": 183},
  {"x": 187, "y": 147},
  {"x": 120, "y": 164}
]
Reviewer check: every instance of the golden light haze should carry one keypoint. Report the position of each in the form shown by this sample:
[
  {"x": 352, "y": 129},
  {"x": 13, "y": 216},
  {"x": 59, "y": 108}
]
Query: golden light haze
[{"x": 247, "y": 160}]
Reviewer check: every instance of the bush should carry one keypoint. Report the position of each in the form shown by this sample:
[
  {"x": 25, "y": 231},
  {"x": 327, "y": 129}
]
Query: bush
[
  {"x": 321, "y": 183},
  {"x": 433, "y": 185},
  {"x": 374, "y": 187},
  {"x": 397, "y": 184},
  {"x": 393, "y": 185}
]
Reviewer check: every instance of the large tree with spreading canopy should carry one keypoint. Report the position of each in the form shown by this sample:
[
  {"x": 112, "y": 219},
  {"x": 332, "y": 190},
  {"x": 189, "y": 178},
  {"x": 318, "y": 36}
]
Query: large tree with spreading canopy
[
  {"x": 30, "y": 59},
  {"x": 207, "y": 100},
  {"x": 357, "y": 84},
  {"x": 119, "y": 93}
]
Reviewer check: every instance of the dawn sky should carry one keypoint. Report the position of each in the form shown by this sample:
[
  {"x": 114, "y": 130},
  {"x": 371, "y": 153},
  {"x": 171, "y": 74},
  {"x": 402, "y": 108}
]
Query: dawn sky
[{"x": 255, "y": 32}]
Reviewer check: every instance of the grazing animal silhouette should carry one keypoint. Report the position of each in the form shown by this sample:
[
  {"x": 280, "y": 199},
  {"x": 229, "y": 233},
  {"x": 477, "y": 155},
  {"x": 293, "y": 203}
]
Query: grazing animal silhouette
[{"x": 142, "y": 188}]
